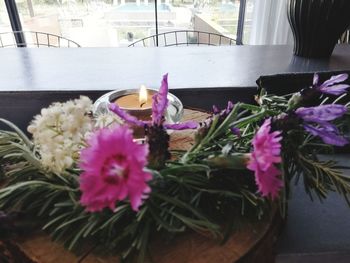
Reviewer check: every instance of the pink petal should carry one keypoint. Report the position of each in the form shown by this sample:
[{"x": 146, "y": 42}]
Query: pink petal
[
  {"x": 113, "y": 170},
  {"x": 266, "y": 153}
]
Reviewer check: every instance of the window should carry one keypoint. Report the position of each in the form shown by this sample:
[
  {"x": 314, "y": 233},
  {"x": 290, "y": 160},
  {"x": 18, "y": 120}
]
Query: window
[
  {"x": 249, "y": 11},
  {"x": 5, "y": 25},
  {"x": 118, "y": 23},
  {"x": 89, "y": 23}
]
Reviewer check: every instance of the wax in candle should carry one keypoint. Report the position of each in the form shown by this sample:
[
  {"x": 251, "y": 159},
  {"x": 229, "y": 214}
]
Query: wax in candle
[
  {"x": 140, "y": 100},
  {"x": 138, "y": 104},
  {"x": 131, "y": 101}
]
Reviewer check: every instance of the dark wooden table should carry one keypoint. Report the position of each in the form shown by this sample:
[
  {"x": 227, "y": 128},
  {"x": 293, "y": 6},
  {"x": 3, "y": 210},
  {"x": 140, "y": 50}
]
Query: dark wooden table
[{"x": 91, "y": 69}]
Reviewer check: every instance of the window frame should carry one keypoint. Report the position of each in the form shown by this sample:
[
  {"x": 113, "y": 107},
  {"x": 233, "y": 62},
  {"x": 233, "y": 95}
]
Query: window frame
[{"x": 15, "y": 21}]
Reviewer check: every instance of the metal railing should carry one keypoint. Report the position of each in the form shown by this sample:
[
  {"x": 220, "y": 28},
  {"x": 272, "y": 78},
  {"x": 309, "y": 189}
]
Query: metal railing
[
  {"x": 184, "y": 38},
  {"x": 34, "y": 39}
]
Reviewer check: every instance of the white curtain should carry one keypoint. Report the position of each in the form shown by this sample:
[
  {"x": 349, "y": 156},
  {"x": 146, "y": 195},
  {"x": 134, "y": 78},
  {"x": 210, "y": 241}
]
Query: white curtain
[{"x": 270, "y": 23}]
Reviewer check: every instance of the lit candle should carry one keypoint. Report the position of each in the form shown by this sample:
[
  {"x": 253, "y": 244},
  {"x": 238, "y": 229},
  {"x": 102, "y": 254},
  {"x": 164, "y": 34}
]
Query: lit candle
[
  {"x": 138, "y": 104},
  {"x": 134, "y": 101},
  {"x": 143, "y": 98}
]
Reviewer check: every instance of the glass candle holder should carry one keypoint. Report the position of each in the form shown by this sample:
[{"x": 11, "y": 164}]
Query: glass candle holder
[{"x": 173, "y": 114}]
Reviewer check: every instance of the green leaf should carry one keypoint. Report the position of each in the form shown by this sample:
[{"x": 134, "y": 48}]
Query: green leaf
[
  {"x": 118, "y": 213},
  {"x": 184, "y": 168},
  {"x": 57, "y": 219},
  {"x": 236, "y": 161},
  {"x": 164, "y": 223},
  {"x": 181, "y": 204},
  {"x": 19, "y": 132},
  {"x": 198, "y": 225}
]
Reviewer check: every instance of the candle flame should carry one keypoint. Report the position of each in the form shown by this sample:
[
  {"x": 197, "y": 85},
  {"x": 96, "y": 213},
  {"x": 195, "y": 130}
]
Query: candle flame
[{"x": 143, "y": 96}]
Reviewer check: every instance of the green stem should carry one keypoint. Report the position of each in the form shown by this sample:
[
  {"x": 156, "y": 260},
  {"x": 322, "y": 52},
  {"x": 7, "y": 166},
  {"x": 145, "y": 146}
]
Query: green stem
[
  {"x": 214, "y": 132},
  {"x": 200, "y": 144},
  {"x": 24, "y": 138},
  {"x": 244, "y": 121},
  {"x": 226, "y": 123}
]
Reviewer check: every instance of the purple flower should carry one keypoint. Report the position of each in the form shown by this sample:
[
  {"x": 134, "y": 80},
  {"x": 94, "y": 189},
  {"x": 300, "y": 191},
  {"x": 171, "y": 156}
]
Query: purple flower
[
  {"x": 126, "y": 116},
  {"x": 331, "y": 86},
  {"x": 160, "y": 102},
  {"x": 159, "y": 105},
  {"x": 236, "y": 131},
  {"x": 317, "y": 122},
  {"x": 328, "y": 132},
  {"x": 223, "y": 113},
  {"x": 216, "y": 110},
  {"x": 228, "y": 109},
  {"x": 182, "y": 126},
  {"x": 321, "y": 113}
]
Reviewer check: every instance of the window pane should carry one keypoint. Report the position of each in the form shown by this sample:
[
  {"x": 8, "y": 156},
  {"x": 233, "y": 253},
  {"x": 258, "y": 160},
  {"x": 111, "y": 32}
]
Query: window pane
[
  {"x": 6, "y": 37},
  {"x": 90, "y": 22},
  {"x": 122, "y": 22},
  {"x": 5, "y": 25},
  {"x": 249, "y": 10},
  {"x": 219, "y": 17}
]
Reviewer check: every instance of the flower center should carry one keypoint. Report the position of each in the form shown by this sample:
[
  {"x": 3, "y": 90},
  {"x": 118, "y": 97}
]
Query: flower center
[{"x": 115, "y": 169}]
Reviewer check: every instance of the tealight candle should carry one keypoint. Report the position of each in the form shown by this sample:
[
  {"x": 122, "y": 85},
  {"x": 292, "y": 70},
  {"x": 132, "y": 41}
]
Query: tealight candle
[
  {"x": 135, "y": 101},
  {"x": 138, "y": 104}
]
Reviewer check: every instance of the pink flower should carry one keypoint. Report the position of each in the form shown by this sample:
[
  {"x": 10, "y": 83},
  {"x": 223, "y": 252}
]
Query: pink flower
[
  {"x": 266, "y": 154},
  {"x": 113, "y": 169}
]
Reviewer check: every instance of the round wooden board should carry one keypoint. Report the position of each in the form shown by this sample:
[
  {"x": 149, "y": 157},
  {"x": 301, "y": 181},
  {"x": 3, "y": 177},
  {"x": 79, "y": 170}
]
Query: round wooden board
[{"x": 250, "y": 243}]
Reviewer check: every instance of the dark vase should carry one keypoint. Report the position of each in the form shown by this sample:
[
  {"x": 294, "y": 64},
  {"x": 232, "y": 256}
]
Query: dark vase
[{"x": 317, "y": 25}]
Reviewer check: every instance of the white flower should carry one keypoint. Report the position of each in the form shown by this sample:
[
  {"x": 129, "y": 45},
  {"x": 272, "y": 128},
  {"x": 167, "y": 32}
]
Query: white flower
[
  {"x": 106, "y": 119},
  {"x": 59, "y": 132}
]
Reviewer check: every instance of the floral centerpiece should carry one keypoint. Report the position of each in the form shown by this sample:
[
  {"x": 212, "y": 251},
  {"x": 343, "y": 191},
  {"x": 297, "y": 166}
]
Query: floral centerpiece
[{"x": 85, "y": 180}]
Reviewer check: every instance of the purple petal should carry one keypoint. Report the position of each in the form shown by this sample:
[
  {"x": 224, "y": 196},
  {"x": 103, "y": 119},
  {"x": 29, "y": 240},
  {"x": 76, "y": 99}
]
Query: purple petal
[
  {"x": 125, "y": 116},
  {"x": 329, "y": 127},
  {"x": 327, "y": 135},
  {"x": 215, "y": 109},
  {"x": 335, "y": 79},
  {"x": 322, "y": 113},
  {"x": 182, "y": 126},
  {"x": 160, "y": 101},
  {"x": 316, "y": 79},
  {"x": 229, "y": 107},
  {"x": 335, "y": 89},
  {"x": 236, "y": 131}
]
